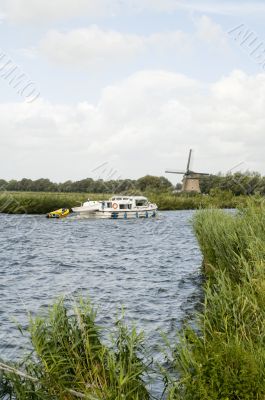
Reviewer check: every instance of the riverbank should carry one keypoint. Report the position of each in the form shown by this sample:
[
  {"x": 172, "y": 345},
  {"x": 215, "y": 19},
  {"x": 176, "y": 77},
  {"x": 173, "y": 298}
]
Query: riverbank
[{"x": 43, "y": 202}]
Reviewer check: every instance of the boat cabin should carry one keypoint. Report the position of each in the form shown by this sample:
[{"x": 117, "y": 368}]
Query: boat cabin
[{"x": 125, "y": 203}]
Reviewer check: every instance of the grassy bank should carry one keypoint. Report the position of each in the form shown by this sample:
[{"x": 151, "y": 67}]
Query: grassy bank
[
  {"x": 225, "y": 358},
  {"x": 167, "y": 201},
  {"x": 42, "y": 202}
]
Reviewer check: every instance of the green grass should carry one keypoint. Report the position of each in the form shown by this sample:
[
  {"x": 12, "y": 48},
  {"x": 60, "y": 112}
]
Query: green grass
[
  {"x": 224, "y": 359},
  {"x": 168, "y": 201},
  {"x": 43, "y": 203},
  {"x": 70, "y": 360}
]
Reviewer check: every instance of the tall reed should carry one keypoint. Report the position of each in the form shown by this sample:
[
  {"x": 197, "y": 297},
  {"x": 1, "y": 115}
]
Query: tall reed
[
  {"x": 225, "y": 358},
  {"x": 71, "y": 361},
  {"x": 42, "y": 203}
]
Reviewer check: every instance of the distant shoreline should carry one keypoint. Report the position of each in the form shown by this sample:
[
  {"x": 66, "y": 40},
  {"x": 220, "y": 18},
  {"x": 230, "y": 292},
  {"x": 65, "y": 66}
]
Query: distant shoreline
[{"x": 45, "y": 202}]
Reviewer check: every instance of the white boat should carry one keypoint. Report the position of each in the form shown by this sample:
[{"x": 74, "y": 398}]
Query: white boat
[
  {"x": 118, "y": 207},
  {"x": 88, "y": 207}
]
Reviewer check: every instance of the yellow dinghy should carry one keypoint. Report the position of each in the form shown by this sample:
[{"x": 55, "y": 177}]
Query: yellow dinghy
[{"x": 61, "y": 213}]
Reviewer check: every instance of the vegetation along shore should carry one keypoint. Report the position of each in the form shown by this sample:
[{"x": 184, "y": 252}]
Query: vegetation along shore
[
  {"x": 222, "y": 358},
  {"x": 42, "y": 196},
  {"x": 42, "y": 202}
]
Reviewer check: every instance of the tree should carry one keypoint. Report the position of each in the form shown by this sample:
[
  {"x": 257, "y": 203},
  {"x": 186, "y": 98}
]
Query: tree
[
  {"x": 150, "y": 182},
  {"x": 3, "y": 184},
  {"x": 44, "y": 185}
]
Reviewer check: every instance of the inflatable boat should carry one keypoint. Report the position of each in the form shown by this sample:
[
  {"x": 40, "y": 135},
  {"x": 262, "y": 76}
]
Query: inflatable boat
[{"x": 61, "y": 213}]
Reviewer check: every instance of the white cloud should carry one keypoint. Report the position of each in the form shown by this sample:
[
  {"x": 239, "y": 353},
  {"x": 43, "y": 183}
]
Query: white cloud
[
  {"x": 144, "y": 124},
  {"x": 89, "y": 46},
  {"x": 234, "y": 8},
  {"x": 165, "y": 41},
  {"x": 42, "y": 10},
  {"x": 210, "y": 32},
  {"x": 155, "y": 5},
  {"x": 97, "y": 47}
]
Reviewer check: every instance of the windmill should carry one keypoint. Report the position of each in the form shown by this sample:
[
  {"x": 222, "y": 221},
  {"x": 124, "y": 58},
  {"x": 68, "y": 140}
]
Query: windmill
[{"x": 191, "y": 179}]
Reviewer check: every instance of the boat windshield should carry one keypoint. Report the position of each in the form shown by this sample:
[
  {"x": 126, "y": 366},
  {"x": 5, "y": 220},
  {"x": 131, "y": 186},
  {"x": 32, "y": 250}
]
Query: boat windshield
[{"x": 141, "y": 202}]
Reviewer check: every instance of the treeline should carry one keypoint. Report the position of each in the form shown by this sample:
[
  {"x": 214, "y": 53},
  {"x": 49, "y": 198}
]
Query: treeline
[
  {"x": 237, "y": 184},
  {"x": 247, "y": 183},
  {"x": 89, "y": 185}
]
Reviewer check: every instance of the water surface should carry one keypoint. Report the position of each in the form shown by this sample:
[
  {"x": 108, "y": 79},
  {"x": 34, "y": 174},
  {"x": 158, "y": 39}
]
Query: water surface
[{"x": 150, "y": 267}]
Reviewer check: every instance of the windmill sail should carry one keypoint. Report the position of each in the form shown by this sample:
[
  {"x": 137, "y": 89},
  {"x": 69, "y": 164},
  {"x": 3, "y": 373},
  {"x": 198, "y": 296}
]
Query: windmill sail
[
  {"x": 169, "y": 171},
  {"x": 189, "y": 160}
]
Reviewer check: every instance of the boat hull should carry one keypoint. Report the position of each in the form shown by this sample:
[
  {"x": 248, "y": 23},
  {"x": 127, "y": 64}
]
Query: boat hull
[
  {"x": 131, "y": 214},
  {"x": 85, "y": 210}
]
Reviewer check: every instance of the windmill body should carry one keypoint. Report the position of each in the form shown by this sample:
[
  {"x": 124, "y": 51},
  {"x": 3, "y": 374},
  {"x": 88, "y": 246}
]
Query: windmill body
[{"x": 191, "y": 179}]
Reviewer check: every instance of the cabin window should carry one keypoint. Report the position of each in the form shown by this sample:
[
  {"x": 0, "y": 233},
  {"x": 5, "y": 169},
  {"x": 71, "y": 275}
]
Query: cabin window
[
  {"x": 109, "y": 205},
  {"x": 140, "y": 203},
  {"x": 124, "y": 206}
]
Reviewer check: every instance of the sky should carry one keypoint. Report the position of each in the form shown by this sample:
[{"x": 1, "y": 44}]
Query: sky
[{"x": 123, "y": 88}]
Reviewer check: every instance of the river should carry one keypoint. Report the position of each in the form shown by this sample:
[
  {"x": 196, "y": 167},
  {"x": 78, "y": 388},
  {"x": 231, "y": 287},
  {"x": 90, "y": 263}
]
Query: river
[{"x": 151, "y": 268}]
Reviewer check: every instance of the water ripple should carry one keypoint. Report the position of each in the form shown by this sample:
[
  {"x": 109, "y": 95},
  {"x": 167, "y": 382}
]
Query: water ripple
[{"x": 150, "y": 267}]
